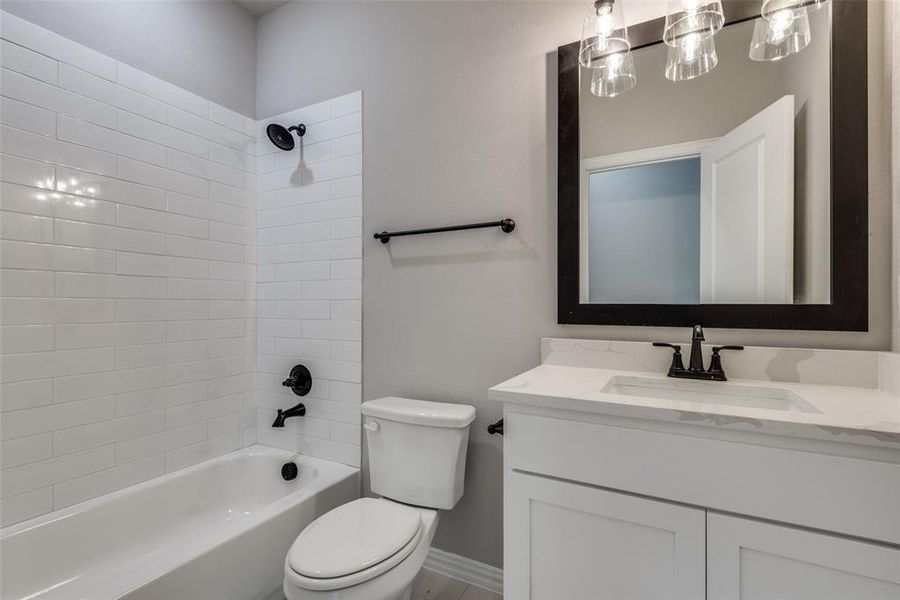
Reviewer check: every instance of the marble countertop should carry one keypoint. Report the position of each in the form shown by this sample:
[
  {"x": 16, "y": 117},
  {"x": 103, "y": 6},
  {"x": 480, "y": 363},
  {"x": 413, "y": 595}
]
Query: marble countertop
[{"x": 835, "y": 413}]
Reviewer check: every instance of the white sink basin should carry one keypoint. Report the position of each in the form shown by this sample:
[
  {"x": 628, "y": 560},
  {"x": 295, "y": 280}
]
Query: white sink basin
[{"x": 710, "y": 392}]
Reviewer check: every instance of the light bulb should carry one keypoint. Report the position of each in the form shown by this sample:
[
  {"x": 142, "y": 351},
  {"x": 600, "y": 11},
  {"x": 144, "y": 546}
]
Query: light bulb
[
  {"x": 690, "y": 9},
  {"x": 686, "y": 17},
  {"x": 779, "y": 25},
  {"x": 613, "y": 64},
  {"x": 690, "y": 45},
  {"x": 604, "y": 25}
]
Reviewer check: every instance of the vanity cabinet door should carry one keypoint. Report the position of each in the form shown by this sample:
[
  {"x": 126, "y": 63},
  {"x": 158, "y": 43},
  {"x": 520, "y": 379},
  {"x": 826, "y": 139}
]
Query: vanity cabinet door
[
  {"x": 574, "y": 542},
  {"x": 749, "y": 560}
]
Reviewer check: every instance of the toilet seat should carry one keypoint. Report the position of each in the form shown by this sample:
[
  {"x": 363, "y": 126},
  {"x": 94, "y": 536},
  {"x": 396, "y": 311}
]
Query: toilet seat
[{"x": 353, "y": 543}]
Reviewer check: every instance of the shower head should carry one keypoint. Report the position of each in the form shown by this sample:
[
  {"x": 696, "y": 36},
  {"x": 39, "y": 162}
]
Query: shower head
[{"x": 281, "y": 137}]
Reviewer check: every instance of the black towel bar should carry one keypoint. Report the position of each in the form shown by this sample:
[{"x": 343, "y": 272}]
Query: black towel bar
[
  {"x": 507, "y": 225},
  {"x": 496, "y": 427}
]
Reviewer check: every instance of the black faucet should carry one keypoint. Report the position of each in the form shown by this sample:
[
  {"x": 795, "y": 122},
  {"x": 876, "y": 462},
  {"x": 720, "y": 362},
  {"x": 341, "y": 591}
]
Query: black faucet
[
  {"x": 300, "y": 382},
  {"x": 695, "y": 368},
  {"x": 295, "y": 411},
  {"x": 696, "y": 363}
]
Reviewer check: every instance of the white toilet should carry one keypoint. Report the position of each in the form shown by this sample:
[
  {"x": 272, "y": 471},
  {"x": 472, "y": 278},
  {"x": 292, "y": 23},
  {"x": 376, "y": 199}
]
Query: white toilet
[{"x": 372, "y": 549}]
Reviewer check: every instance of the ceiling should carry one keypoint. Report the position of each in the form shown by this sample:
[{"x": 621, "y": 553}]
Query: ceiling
[
  {"x": 637, "y": 11},
  {"x": 260, "y": 7}
]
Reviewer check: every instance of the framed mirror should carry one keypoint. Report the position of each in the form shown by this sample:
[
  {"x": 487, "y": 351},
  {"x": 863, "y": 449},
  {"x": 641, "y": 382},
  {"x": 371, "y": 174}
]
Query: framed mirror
[{"x": 734, "y": 199}]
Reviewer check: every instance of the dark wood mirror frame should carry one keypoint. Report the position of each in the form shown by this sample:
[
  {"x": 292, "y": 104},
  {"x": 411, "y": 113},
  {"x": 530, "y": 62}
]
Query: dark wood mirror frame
[{"x": 848, "y": 310}]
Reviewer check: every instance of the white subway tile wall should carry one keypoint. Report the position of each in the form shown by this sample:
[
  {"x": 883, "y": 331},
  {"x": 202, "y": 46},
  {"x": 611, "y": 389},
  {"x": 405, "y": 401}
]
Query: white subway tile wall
[
  {"x": 128, "y": 282},
  {"x": 309, "y": 279}
]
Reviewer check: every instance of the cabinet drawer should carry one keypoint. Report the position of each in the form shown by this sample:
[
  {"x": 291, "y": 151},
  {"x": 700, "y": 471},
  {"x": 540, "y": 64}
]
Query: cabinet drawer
[{"x": 834, "y": 493}]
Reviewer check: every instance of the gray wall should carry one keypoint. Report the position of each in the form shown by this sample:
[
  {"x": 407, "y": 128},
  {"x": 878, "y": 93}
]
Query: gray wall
[
  {"x": 459, "y": 110},
  {"x": 806, "y": 77},
  {"x": 205, "y": 46},
  {"x": 892, "y": 95}
]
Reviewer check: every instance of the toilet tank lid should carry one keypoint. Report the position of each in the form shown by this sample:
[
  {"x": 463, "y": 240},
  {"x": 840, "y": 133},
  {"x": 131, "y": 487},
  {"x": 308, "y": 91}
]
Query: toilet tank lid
[{"x": 420, "y": 412}]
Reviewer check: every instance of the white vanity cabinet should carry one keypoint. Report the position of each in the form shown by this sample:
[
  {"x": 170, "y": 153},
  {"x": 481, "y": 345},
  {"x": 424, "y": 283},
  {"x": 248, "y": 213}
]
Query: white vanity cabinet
[
  {"x": 569, "y": 541},
  {"x": 600, "y": 507},
  {"x": 752, "y": 560}
]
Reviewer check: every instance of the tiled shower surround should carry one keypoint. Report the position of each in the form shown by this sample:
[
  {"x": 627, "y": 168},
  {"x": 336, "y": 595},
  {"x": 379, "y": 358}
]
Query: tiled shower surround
[
  {"x": 129, "y": 276},
  {"x": 309, "y": 234}
]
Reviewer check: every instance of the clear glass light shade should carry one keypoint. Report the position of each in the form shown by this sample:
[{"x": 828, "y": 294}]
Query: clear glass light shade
[
  {"x": 779, "y": 33},
  {"x": 692, "y": 56},
  {"x": 613, "y": 75},
  {"x": 692, "y": 17},
  {"x": 771, "y": 7},
  {"x": 603, "y": 33}
]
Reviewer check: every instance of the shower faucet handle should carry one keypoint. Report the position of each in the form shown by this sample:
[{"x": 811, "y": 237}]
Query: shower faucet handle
[{"x": 300, "y": 380}]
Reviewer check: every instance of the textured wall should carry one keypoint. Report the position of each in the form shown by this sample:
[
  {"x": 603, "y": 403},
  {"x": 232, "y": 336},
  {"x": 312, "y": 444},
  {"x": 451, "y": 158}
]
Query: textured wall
[
  {"x": 461, "y": 125},
  {"x": 892, "y": 71},
  {"x": 128, "y": 250},
  {"x": 207, "y": 47},
  {"x": 310, "y": 279}
]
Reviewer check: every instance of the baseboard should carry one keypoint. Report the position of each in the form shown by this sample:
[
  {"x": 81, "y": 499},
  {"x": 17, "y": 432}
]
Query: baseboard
[{"x": 465, "y": 569}]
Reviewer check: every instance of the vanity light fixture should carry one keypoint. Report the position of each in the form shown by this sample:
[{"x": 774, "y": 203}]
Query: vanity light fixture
[
  {"x": 614, "y": 75},
  {"x": 605, "y": 49},
  {"x": 783, "y": 29},
  {"x": 691, "y": 26},
  {"x": 691, "y": 56}
]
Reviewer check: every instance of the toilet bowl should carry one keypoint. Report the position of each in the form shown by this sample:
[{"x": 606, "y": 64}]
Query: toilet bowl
[
  {"x": 366, "y": 564},
  {"x": 372, "y": 548}
]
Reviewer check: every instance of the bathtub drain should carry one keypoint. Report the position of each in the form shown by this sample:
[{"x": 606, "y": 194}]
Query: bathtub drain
[{"x": 289, "y": 471}]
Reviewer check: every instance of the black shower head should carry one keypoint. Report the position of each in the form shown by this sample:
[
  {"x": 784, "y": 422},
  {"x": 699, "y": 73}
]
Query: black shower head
[{"x": 281, "y": 137}]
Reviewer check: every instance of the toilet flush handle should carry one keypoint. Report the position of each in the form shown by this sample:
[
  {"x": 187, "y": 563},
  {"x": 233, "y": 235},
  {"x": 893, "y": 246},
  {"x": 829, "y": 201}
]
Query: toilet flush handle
[{"x": 372, "y": 426}]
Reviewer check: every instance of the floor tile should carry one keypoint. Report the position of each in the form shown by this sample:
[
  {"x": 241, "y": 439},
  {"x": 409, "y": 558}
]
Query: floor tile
[
  {"x": 476, "y": 593},
  {"x": 429, "y": 585}
]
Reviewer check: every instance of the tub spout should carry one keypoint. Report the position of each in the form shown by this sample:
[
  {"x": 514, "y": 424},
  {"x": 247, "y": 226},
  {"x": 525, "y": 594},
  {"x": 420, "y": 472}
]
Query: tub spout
[{"x": 295, "y": 411}]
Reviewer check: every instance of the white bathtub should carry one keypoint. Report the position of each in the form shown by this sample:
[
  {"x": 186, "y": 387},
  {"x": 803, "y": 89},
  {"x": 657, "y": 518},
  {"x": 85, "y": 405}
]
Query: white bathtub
[{"x": 219, "y": 530}]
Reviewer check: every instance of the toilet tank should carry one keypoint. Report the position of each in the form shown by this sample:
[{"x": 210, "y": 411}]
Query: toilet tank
[{"x": 417, "y": 449}]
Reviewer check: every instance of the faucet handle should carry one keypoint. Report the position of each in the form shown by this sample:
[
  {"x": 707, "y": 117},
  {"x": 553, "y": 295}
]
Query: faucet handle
[
  {"x": 715, "y": 363},
  {"x": 716, "y": 349},
  {"x": 677, "y": 362},
  {"x": 300, "y": 380},
  {"x": 674, "y": 347}
]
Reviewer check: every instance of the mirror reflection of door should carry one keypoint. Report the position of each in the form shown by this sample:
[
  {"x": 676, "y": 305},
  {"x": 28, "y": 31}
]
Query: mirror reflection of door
[
  {"x": 747, "y": 211},
  {"x": 709, "y": 221}
]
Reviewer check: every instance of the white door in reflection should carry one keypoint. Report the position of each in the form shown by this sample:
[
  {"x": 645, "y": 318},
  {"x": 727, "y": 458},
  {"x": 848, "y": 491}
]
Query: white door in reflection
[{"x": 747, "y": 211}]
